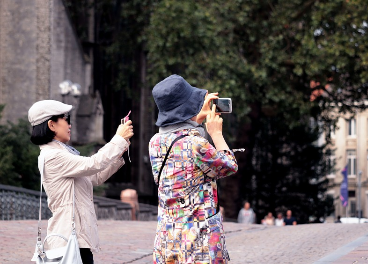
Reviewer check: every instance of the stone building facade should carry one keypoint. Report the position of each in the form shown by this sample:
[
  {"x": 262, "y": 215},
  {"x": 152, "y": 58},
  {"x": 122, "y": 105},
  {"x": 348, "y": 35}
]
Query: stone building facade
[
  {"x": 38, "y": 50},
  {"x": 350, "y": 148}
]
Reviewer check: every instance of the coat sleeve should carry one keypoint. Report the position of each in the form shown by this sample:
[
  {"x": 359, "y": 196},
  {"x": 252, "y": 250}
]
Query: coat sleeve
[
  {"x": 156, "y": 159},
  {"x": 215, "y": 164},
  {"x": 66, "y": 164},
  {"x": 100, "y": 177},
  {"x": 240, "y": 216}
]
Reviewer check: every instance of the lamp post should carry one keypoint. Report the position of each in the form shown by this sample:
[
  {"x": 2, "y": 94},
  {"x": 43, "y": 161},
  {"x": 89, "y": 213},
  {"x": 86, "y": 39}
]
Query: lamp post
[
  {"x": 359, "y": 188},
  {"x": 67, "y": 87}
]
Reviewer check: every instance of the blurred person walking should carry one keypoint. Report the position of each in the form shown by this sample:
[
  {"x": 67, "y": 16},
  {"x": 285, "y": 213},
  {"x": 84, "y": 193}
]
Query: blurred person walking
[
  {"x": 279, "y": 221},
  {"x": 189, "y": 228},
  {"x": 246, "y": 214},
  {"x": 289, "y": 219},
  {"x": 68, "y": 176},
  {"x": 269, "y": 219}
]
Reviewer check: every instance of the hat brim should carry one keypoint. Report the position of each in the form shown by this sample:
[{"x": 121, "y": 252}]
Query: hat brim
[{"x": 187, "y": 110}]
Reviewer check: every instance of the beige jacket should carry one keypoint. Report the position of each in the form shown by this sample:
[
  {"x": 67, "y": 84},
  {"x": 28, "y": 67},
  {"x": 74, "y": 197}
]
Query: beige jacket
[{"x": 62, "y": 170}]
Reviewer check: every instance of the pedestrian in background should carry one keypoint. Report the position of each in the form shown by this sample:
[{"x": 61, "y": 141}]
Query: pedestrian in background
[
  {"x": 130, "y": 196},
  {"x": 246, "y": 214},
  {"x": 338, "y": 220},
  {"x": 289, "y": 219},
  {"x": 269, "y": 219},
  {"x": 279, "y": 221},
  {"x": 67, "y": 175},
  {"x": 189, "y": 228}
]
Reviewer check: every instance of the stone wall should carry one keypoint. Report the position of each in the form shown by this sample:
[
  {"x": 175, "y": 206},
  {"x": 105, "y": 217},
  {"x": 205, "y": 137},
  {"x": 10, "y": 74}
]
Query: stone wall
[
  {"x": 21, "y": 204},
  {"x": 18, "y": 53},
  {"x": 39, "y": 49},
  {"x": 67, "y": 62}
]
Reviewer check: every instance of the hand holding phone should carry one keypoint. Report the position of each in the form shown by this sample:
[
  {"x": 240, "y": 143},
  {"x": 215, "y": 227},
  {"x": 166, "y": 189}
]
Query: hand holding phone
[
  {"x": 126, "y": 118},
  {"x": 123, "y": 121}
]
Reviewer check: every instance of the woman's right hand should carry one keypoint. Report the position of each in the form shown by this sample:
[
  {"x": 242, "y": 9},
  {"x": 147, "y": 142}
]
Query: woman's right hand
[
  {"x": 214, "y": 123},
  {"x": 125, "y": 130},
  {"x": 214, "y": 129}
]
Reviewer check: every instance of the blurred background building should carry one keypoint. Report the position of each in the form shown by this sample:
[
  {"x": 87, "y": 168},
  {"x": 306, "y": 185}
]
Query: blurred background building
[
  {"x": 38, "y": 51},
  {"x": 350, "y": 148},
  {"x": 41, "y": 57}
]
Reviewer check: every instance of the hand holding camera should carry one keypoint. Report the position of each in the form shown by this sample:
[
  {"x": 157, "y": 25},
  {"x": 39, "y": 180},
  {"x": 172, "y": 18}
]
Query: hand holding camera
[
  {"x": 214, "y": 129},
  {"x": 206, "y": 108},
  {"x": 214, "y": 123}
]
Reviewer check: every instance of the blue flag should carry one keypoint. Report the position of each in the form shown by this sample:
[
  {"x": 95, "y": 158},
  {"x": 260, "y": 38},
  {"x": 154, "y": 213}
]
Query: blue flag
[{"x": 344, "y": 195}]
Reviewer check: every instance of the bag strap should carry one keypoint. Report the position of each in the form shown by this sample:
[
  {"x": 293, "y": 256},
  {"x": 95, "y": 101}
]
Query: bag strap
[
  {"x": 167, "y": 154},
  {"x": 41, "y": 163},
  {"x": 218, "y": 199},
  {"x": 41, "y": 167},
  {"x": 163, "y": 164}
]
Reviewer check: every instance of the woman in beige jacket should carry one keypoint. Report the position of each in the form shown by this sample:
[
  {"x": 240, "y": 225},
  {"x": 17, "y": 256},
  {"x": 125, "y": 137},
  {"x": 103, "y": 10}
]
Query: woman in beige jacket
[{"x": 64, "y": 168}]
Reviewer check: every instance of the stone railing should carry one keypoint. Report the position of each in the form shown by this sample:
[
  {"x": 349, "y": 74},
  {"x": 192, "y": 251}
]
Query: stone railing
[
  {"x": 147, "y": 212},
  {"x": 20, "y": 204},
  {"x": 110, "y": 209},
  {"x": 116, "y": 210}
]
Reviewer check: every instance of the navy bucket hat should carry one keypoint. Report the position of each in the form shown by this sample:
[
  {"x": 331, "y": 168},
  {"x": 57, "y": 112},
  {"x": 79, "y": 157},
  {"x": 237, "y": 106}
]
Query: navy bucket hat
[{"x": 177, "y": 100}]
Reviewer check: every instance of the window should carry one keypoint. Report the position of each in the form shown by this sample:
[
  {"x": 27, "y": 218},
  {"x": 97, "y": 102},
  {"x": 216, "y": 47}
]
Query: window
[
  {"x": 330, "y": 160},
  {"x": 352, "y": 163},
  {"x": 352, "y": 127}
]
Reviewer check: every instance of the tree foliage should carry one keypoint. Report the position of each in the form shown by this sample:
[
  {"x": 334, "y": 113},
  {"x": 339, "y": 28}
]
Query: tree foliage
[
  {"x": 18, "y": 156},
  {"x": 272, "y": 58},
  {"x": 284, "y": 64},
  {"x": 264, "y": 51}
]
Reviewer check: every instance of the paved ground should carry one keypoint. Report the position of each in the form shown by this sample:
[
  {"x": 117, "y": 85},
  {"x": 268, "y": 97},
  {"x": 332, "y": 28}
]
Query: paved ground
[{"x": 131, "y": 242}]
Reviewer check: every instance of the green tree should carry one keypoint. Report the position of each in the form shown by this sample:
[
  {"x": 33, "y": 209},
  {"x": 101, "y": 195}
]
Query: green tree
[
  {"x": 288, "y": 170},
  {"x": 265, "y": 54},
  {"x": 18, "y": 156},
  {"x": 272, "y": 57}
]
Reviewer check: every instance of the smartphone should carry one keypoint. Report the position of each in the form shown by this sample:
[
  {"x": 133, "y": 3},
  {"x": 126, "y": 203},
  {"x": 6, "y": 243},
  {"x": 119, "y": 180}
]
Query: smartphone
[
  {"x": 223, "y": 105},
  {"x": 125, "y": 119}
]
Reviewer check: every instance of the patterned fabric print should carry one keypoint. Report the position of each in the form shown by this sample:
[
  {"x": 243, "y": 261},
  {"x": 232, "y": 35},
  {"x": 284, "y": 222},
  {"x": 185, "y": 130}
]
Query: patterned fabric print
[
  {"x": 186, "y": 232},
  {"x": 216, "y": 240}
]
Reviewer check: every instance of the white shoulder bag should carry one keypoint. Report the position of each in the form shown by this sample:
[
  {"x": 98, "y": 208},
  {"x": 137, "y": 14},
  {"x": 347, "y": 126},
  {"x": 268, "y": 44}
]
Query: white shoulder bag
[{"x": 69, "y": 254}]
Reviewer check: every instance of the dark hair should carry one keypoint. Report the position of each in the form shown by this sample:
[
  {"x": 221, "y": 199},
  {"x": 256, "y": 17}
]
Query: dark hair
[{"x": 42, "y": 134}]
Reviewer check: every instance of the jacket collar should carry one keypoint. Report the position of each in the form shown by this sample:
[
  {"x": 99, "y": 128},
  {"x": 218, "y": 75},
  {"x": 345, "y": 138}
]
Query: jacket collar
[{"x": 51, "y": 145}]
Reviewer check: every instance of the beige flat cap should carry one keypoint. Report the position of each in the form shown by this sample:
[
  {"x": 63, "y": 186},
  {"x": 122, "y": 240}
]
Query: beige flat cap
[{"x": 42, "y": 111}]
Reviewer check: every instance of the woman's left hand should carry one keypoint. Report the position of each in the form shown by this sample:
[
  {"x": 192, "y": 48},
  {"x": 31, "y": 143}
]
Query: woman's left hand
[{"x": 206, "y": 108}]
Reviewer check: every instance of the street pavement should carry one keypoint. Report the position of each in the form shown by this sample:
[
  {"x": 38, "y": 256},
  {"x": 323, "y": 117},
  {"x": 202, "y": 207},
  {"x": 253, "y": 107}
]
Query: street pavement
[{"x": 131, "y": 242}]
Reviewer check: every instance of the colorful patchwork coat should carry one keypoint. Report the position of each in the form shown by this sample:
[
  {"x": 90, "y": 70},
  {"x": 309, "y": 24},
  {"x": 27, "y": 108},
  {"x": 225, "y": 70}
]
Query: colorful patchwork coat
[{"x": 188, "y": 228}]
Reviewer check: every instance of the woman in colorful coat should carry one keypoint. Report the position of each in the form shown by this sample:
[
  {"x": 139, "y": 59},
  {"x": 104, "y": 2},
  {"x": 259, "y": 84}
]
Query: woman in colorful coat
[{"x": 189, "y": 228}]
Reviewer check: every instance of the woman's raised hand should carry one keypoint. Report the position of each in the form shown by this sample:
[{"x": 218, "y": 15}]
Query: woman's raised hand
[
  {"x": 125, "y": 130},
  {"x": 214, "y": 129},
  {"x": 206, "y": 108},
  {"x": 214, "y": 123}
]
